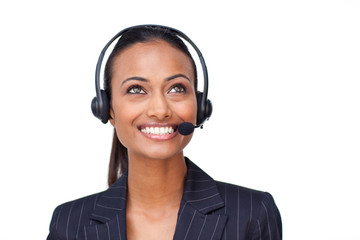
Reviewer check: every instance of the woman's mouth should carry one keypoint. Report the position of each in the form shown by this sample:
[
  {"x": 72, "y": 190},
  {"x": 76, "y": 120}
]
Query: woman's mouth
[{"x": 159, "y": 132}]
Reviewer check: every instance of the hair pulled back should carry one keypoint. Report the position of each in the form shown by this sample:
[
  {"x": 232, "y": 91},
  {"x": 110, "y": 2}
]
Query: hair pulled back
[{"x": 140, "y": 34}]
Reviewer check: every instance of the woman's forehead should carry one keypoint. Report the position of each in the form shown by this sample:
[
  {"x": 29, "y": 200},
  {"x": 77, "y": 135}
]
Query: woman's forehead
[{"x": 155, "y": 55}]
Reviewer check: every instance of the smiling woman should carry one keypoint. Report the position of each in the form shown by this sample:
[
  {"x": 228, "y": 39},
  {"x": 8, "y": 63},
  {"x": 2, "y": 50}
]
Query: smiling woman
[
  {"x": 152, "y": 87},
  {"x": 155, "y": 192}
]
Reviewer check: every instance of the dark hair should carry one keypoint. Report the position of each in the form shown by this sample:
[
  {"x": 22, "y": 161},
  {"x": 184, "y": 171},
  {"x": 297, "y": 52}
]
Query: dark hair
[{"x": 119, "y": 157}]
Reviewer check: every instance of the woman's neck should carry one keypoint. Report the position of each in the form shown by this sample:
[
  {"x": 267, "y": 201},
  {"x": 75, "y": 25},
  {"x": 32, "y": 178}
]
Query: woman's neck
[{"x": 156, "y": 183}]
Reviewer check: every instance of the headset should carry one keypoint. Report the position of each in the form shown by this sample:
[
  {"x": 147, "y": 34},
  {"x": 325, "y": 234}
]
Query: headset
[{"x": 100, "y": 104}]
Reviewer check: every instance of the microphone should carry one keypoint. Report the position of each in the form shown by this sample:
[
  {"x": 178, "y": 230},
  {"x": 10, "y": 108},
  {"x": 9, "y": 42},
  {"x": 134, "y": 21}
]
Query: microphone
[{"x": 186, "y": 128}]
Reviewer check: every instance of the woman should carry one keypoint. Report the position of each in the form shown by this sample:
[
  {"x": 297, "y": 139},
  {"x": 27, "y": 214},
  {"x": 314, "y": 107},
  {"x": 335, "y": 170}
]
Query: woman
[{"x": 155, "y": 192}]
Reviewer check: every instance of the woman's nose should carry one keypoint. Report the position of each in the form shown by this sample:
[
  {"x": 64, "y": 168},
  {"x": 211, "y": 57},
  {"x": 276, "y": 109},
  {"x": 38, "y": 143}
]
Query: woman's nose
[{"x": 158, "y": 107}]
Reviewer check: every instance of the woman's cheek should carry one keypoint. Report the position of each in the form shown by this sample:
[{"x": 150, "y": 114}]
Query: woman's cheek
[{"x": 187, "y": 111}]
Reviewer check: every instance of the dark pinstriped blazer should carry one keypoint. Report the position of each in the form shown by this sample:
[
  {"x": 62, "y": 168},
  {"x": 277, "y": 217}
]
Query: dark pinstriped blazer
[{"x": 208, "y": 210}]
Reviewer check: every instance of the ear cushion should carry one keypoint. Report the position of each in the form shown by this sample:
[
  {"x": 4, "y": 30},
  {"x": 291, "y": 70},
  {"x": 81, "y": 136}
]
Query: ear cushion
[
  {"x": 202, "y": 114},
  {"x": 208, "y": 109},
  {"x": 101, "y": 109}
]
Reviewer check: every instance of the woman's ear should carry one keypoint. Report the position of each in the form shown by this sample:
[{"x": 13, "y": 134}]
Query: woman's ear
[{"x": 112, "y": 117}]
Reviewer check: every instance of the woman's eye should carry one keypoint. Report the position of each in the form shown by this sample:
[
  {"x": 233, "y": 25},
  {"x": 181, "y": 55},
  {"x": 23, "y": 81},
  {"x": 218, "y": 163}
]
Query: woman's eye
[
  {"x": 136, "y": 90},
  {"x": 178, "y": 89}
]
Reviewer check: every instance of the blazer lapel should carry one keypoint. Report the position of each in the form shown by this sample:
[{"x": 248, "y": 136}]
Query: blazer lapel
[
  {"x": 110, "y": 211},
  {"x": 196, "y": 218}
]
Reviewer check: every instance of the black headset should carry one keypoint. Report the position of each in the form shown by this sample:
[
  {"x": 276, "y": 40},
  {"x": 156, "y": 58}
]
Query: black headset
[{"x": 100, "y": 104}]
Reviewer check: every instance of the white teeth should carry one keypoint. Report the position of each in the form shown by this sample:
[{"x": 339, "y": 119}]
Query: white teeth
[{"x": 158, "y": 130}]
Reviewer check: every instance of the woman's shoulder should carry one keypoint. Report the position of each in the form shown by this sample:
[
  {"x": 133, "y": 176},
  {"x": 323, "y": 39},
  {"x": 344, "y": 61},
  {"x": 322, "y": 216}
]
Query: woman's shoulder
[
  {"x": 78, "y": 204},
  {"x": 230, "y": 191},
  {"x": 72, "y": 214},
  {"x": 255, "y": 208}
]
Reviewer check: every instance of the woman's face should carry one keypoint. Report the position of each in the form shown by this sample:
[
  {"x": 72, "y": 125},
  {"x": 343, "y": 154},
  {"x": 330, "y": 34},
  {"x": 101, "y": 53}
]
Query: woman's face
[{"x": 152, "y": 93}]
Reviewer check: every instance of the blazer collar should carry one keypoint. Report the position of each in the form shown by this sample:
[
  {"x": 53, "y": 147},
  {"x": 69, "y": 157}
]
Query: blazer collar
[
  {"x": 112, "y": 201},
  {"x": 200, "y": 198},
  {"x": 196, "y": 217},
  {"x": 200, "y": 190},
  {"x": 109, "y": 209}
]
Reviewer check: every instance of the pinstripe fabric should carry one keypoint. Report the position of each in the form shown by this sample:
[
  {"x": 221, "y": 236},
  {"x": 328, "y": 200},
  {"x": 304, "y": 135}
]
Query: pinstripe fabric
[{"x": 208, "y": 210}]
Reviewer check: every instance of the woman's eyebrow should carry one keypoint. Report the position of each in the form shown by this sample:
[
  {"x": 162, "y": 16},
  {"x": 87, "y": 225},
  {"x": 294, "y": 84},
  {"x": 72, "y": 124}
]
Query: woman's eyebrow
[
  {"x": 145, "y": 80},
  {"x": 134, "y": 78},
  {"x": 176, "y": 76}
]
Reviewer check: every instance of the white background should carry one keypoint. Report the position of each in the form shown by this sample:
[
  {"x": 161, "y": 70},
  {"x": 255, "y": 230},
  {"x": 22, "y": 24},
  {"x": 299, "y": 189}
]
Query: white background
[{"x": 284, "y": 82}]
